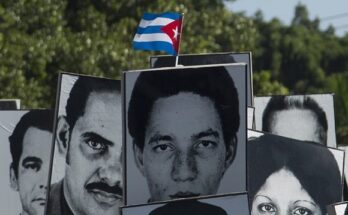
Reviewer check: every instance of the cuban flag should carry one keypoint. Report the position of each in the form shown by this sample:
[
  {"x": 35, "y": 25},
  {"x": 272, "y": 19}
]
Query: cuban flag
[{"x": 159, "y": 32}]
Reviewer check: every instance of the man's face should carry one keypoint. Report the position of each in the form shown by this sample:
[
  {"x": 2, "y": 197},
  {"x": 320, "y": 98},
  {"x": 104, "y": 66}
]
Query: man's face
[
  {"x": 297, "y": 124},
  {"x": 184, "y": 151},
  {"x": 93, "y": 179},
  {"x": 33, "y": 170}
]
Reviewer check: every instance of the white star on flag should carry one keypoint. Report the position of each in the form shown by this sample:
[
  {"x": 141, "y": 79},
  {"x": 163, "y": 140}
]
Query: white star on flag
[{"x": 176, "y": 33}]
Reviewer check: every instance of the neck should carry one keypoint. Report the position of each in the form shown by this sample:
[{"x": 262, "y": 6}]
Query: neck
[{"x": 68, "y": 199}]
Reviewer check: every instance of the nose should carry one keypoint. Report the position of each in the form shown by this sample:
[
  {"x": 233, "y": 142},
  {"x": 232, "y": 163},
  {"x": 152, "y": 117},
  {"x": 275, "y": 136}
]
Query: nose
[
  {"x": 42, "y": 177},
  {"x": 110, "y": 172},
  {"x": 41, "y": 186},
  {"x": 184, "y": 167}
]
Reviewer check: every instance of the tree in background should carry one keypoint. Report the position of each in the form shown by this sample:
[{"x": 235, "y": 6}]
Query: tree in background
[
  {"x": 338, "y": 83},
  {"x": 38, "y": 39}
]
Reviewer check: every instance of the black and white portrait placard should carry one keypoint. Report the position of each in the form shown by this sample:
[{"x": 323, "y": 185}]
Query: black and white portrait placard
[
  {"x": 292, "y": 175},
  {"x": 185, "y": 135},
  {"x": 339, "y": 208},
  {"x": 10, "y": 104},
  {"x": 211, "y": 58},
  {"x": 26, "y": 137},
  {"x": 86, "y": 171},
  {"x": 254, "y": 134},
  {"x": 303, "y": 117},
  {"x": 229, "y": 204},
  {"x": 251, "y": 111}
]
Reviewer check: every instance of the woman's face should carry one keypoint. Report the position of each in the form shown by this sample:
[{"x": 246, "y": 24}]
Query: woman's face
[{"x": 282, "y": 194}]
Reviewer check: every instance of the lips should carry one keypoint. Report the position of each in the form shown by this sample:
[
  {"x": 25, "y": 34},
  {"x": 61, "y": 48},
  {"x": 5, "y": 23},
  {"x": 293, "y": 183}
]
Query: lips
[
  {"x": 105, "y": 198},
  {"x": 40, "y": 200},
  {"x": 184, "y": 195}
]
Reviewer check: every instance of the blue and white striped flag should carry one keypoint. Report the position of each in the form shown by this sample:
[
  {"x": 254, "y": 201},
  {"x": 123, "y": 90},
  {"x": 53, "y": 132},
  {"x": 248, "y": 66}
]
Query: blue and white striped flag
[{"x": 159, "y": 32}]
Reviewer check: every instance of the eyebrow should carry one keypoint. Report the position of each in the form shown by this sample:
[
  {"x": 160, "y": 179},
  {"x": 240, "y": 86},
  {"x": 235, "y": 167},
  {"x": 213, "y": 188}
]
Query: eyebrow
[
  {"x": 98, "y": 138},
  {"x": 264, "y": 197},
  {"x": 31, "y": 159},
  {"x": 158, "y": 137},
  {"x": 310, "y": 202},
  {"x": 206, "y": 133}
]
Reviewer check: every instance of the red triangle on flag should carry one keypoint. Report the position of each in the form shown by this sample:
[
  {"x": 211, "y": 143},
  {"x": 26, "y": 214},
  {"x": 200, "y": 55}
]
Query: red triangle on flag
[{"x": 173, "y": 31}]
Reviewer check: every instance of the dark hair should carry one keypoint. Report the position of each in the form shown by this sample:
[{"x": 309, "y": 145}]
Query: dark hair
[
  {"x": 314, "y": 166},
  {"x": 212, "y": 82},
  {"x": 191, "y": 60},
  {"x": 189, "y": 207},
  {"x": 280, "y": 103},
  {"x": 41, "y": 119},
  {"x": 80, "y": 92}
]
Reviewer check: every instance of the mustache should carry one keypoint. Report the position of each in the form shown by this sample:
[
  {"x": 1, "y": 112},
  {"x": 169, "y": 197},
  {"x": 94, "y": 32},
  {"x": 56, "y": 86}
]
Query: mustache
[
  {"x": 117, "y": 189},
  {"x": 184, "y": 195}
]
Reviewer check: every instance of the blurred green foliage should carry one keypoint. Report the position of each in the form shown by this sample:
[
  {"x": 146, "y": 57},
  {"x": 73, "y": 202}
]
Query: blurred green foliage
[
  {"x": 263, "y": 85},
  {"x": 338, "y": 83},
  {"x": 40, "y": 38}
]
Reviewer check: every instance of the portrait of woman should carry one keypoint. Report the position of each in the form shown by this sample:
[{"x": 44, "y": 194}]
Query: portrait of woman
[{"x": 292, "y": 177}]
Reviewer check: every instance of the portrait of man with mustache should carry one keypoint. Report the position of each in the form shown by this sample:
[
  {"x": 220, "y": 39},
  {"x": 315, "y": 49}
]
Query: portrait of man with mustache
[{"x": 90, "y": 137}]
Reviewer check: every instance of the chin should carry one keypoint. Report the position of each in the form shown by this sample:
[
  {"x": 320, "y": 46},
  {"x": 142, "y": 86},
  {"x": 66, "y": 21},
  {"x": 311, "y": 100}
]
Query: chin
[
  {"x": 37, "y": 211},
  {"x": 114, "y": 210}
]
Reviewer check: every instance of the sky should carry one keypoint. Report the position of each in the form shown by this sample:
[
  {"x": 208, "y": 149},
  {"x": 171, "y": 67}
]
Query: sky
[{"x": 334, "y": 12}]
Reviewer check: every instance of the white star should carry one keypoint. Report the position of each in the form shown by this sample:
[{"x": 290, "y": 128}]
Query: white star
[{"x": 176, "y": 33}]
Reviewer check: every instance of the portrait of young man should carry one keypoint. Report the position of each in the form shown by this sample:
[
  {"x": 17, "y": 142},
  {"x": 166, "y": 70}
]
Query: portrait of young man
[
  {"x": 89, "y": 137},
  {"x": 302, "y": 117},
  {"x": 236, "y": 203},
  {"x": 186, "y": 132},
  {"x": 29, "y": 137}
]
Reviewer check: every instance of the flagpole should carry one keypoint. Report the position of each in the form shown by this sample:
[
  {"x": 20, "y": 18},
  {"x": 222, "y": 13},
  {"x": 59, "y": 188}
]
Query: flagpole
[{"x": 177, "y": 54}]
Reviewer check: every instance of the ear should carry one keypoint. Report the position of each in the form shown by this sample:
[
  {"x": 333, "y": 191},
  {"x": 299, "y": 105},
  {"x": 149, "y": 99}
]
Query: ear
[
  {"x": 13, "y": 179},
  {"x": 230, "y": 152},
  {"x": 138, "y": 157},
  {"x": 63, "y": 135}
]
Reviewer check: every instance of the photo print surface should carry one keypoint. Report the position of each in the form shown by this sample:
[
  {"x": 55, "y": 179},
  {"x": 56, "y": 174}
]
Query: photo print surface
[
  {"x": 212, "y": 58},
  {"x": 289, "y": 175},
  {"x": 339, "y": 208},
  {"x": 86, "y": 171},
  {"x": 339, "y": 154},
  {"x": 229, "y": 204},
  {"x": 303, "y": 117},
  {"x": 251, "y": 117},
  {"x": 254, "y": 134},
  {"x": 26, "y": 137},
  {"x": 345, "y": 190},
  {"x": 185, "y": 136}
]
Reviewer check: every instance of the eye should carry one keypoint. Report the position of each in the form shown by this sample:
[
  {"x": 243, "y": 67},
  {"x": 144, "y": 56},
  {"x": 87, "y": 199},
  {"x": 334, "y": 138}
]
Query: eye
[
  {"x": 267, "y": 208},
  {"x": 162, "y": 148},
  {"x": 206, "y": 144},
  {"x": 33, "y": 166},
  {"x": 96, "y": 145},
  {"x": 302, "y": 211}
]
